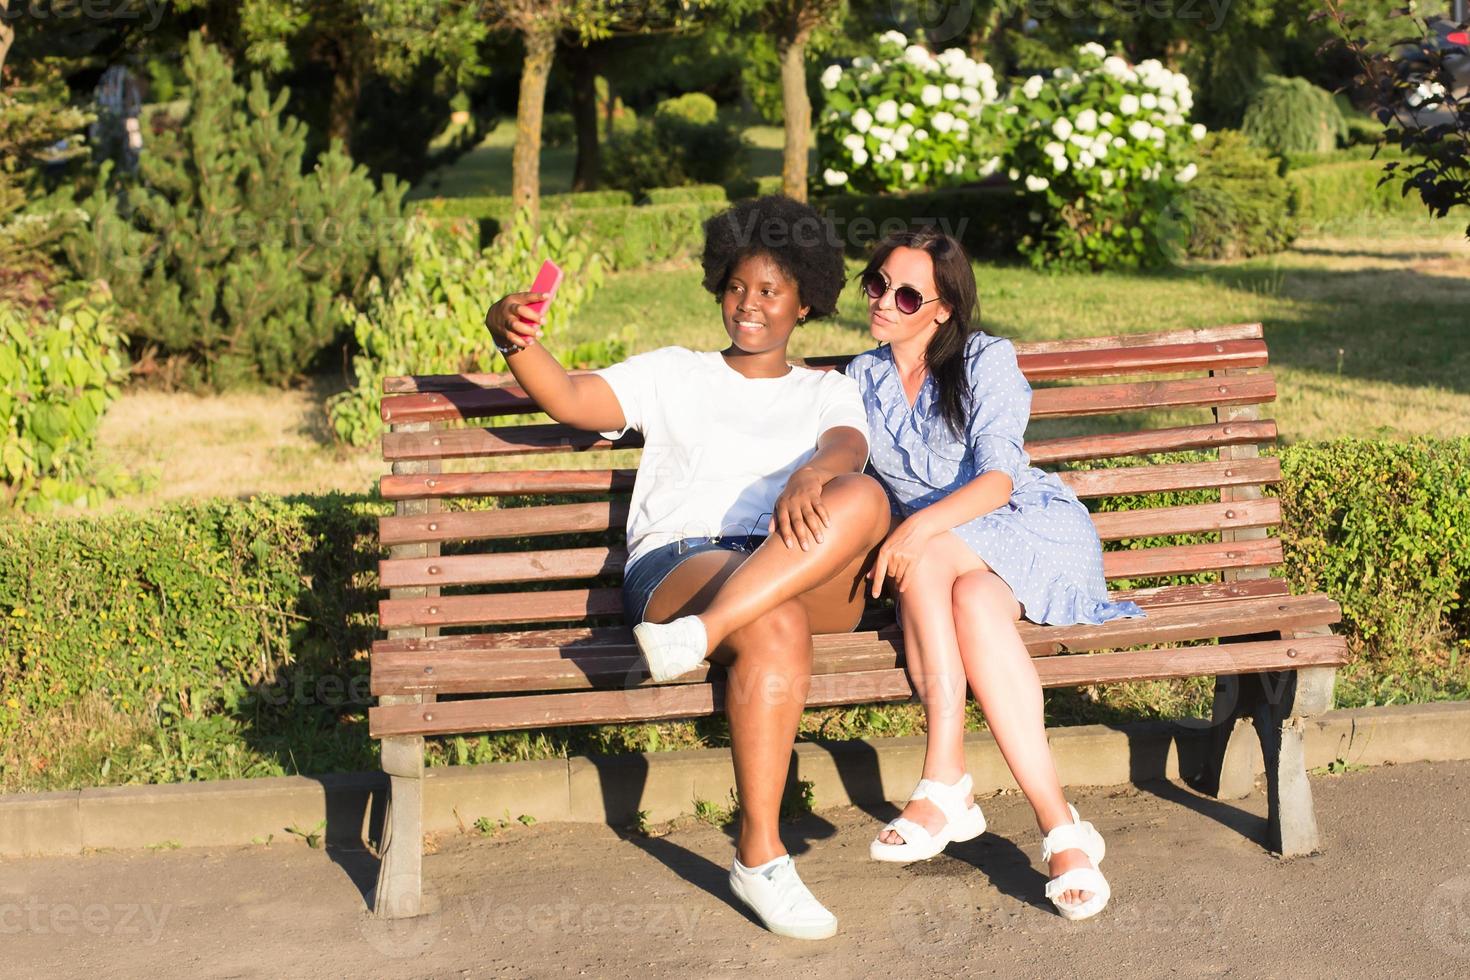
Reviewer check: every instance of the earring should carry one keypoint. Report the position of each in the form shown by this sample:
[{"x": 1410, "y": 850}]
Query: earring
[{"x": 801, "y": 319}]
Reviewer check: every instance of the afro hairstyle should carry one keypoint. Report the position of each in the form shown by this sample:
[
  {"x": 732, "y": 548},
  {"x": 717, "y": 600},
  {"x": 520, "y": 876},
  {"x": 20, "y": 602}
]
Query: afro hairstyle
[{"x": 797, "y": 237}]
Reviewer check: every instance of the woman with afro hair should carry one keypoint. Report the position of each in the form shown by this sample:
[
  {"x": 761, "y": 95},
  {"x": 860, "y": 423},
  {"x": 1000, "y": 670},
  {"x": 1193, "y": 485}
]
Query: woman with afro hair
[{"x": 752, "y": 524}]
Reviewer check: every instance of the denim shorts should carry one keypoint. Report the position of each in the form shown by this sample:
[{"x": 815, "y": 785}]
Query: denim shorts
[{"x": 649, "y": 569}]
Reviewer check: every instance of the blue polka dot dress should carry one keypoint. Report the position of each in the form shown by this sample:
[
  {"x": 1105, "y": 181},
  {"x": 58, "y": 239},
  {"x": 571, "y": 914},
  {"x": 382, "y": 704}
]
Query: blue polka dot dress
[{"x": 1042, "y": 543}]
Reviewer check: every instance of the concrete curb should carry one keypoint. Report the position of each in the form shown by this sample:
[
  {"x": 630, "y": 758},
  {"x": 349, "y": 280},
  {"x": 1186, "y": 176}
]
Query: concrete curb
[{"x": 348, "y": 808}]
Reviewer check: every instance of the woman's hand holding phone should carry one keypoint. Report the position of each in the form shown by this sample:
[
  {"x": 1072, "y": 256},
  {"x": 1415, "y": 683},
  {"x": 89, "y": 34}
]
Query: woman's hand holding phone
[
  {"x": 513, "y": 320},
  {"x": 517, "y": 318}
]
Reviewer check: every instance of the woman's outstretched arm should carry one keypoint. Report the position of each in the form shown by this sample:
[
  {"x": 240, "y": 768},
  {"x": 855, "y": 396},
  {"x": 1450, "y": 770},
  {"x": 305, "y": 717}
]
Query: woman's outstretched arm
[{"x": 582, "y": 401}]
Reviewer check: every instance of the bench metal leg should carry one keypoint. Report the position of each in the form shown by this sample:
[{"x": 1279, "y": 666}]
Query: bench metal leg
[
  {"x": 399, "y": 893},
  {"x": 1266, "y": 713}
]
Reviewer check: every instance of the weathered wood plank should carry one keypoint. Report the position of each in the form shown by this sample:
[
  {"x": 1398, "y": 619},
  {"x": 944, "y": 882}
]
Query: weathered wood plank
[
  {"x": 615, "y": 661},
  {"x": 696, "y": 700}
]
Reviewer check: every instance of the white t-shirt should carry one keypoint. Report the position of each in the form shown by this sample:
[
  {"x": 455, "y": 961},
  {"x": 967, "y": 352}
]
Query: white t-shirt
[{"x": 718, "y": 447}]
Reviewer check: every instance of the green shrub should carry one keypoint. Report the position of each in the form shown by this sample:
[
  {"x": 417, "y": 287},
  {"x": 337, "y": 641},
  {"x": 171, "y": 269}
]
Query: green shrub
[
  {"x": 1291, "y": 115},
  {"x": 58, "y": 373},
  {"x": 695, "y": 193},
  {"x": 1346, "y": 191},
  {"x": 1101, "y": 152},
  {"x": 174, "y": 620},
  {"x": 1239, "y": 205},
  {"x": 432, "y": 319},
  {"x": 226, "y": 253},
  {"x": 674, "y": 148},
  {"x": 690, "y": 109},
  {"x": 499, "y": 208},
  {"x": 630, "y": 238}
]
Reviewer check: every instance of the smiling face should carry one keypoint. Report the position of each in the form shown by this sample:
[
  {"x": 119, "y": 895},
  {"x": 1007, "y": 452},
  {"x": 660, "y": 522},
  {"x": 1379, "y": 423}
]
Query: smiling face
[
  {"x": 906, "y": 266},
  {"x": 761, "y": 304}
]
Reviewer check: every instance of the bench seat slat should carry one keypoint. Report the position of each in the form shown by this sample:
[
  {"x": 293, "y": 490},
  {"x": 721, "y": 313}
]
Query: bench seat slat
[
  {"x": 700, "y": 699},
  {"x": 1064, "y": 402},
  {"x": 574, "y": 563},
  {"x": 560, "y": 638},
  {"x": 512, "y": 607},
  {"x": 614, "y": 661}
]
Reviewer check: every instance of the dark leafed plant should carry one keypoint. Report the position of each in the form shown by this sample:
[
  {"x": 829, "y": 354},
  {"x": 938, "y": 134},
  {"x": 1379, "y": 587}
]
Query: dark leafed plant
[{"x": 1412, "y": 89}]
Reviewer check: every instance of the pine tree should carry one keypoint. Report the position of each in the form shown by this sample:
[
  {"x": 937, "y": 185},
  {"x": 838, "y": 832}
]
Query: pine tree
[{"x": 225, "y": 251}]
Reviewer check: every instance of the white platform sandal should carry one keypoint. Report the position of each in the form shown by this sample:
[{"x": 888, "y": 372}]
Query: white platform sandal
[
  {"x": 961, "y": 823},
  {"x": 1082, "y": 836}
]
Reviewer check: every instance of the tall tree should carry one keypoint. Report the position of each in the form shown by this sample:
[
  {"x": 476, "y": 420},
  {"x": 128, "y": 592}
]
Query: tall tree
[
  {"x": 540, "y": 24},
  {"x": 356, "y": 38},
  {"x": 791, "y": 24}
]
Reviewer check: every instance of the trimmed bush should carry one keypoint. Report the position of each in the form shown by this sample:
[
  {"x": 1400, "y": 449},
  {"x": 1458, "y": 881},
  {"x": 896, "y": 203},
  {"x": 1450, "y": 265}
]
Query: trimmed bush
[
  {"x": 1346, "y": 191},
  {"x": 1239, "y": 205},
  {"x": 630, "y": 238},
  {"x": 694, "y": 194},
  {"x": 1291, "y": 115},
  {"x": 500, "y": 207},
  {"x": 684, "y": 143}
]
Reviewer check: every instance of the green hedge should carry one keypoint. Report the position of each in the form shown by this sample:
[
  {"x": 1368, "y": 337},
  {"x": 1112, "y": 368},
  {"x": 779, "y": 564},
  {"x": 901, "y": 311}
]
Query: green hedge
[
  {"x": 228, "y": 638},
  {"x": 1344, "y": 191},
  {"x": 693, "y": 194},
  {"x": 500, "y": 207}
]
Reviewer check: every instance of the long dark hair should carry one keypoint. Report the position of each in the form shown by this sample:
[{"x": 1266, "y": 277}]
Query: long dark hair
[{"x": 955, "y": 280}]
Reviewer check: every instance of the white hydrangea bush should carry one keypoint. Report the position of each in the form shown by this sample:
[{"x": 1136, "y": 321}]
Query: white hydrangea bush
[
  {"x": 907, "y": 118},
  {"x": 1102, "y": 150}
]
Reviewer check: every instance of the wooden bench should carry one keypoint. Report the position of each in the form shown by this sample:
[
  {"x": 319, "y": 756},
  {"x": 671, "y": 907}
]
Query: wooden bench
[{"x": 547, "y": 647}]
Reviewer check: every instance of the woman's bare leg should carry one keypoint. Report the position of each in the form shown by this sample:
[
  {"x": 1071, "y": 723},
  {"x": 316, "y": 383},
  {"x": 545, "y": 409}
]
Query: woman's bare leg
[
  {"x": 985, "y": 613},
  {"x": 769, "y": 663},
  {"x": 775, "y": 574},
  {"x": 932, "y": 657}
]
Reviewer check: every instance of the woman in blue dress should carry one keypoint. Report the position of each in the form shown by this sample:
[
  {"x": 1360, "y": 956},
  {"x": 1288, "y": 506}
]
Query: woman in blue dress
[{"x": 982, "y": 538}]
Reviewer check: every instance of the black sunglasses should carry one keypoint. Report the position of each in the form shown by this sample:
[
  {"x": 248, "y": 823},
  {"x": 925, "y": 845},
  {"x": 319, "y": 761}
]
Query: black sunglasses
[{"x": 906, "y": 298}]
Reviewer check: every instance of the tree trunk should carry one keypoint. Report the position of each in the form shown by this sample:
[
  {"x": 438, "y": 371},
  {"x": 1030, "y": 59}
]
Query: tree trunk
[
  {"x": 796, "y": 110},
  {"x": 526, "y": 159},
  {"x": 7, "y": 35},
  {"x": 346, "y": 89},
  {"x": 584, "y": 62}
]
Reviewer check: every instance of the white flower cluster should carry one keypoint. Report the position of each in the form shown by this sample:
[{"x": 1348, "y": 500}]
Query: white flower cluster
[
  {"x": 932, "y": 125},
  {"x": 1128, "y": 134}
]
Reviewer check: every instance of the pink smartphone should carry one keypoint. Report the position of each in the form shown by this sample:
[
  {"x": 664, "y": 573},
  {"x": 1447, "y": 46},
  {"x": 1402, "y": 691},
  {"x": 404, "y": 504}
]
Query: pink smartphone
[{"x": 546, "y": 282}]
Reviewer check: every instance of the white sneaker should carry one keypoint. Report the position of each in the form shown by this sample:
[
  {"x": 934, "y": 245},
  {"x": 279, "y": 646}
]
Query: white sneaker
[
  {"x": 780, "y": 900},
  {"x": 672, "y": 649}
]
